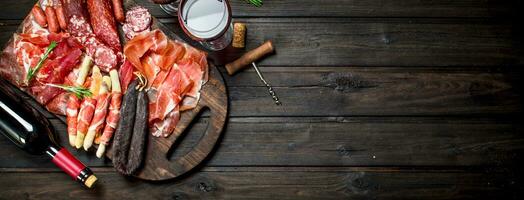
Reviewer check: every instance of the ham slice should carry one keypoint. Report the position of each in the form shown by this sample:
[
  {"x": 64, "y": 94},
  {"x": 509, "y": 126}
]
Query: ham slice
[
  {"x": 169, "y": 94},
  {"x": 167, "y": 126},
  {"x": 44, "y": 93},
  {"x": 152, "y": 52},
  {"x": 126, "y": 74},
  {"x": 175, "y": 74},
  {"x": 59, "y": 104},
  {"x": 9, "y": 67}
]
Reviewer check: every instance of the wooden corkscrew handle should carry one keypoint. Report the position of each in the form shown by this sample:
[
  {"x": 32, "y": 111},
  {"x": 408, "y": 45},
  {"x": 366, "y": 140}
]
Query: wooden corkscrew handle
[{"x": 249, "y": 57}]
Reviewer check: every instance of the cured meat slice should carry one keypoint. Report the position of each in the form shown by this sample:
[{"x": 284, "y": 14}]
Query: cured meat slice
[
  {"x": 27, "y": 55},
  {"x": 43, "y": 93},
  {"x": 85, "y": 115},
  {"x": 99, "y": 118},
  {"x": 138, "y": 21},
  {"x": 112, "y": 117},
  {"x": 55, "y": 71},
  {"x": 103, "y": 23},
  {"x": 30, "y": 47},
  {"x": 165, "y": 58},
  {"x": 152, "y": 52},
  {"x": 35, "y": 39},
  {"x": 167, "y": 126},
  {"x": 193, "y": 70},
  {"x": 138, "y": 18},
  {"x": 151, "y": 69},
  {"x": 32, "y": 27},
  {"x": 199, "y": 57},
  {"x": 169, "y": 94},
  {"x": 105, "y": 58},
  {"x": 136, "y": 48},
  {"x": 126, "y": 74},
  {"x": 130, "y": 34},
  {"x": 74, "y": 8},
  {"x": 79, "y": 27},
  {"x": 9, "y": 68},
  {"x": 175, "y": 74},
  {"x": 59, "y": 104},
  {"x": 73, "y": 104}
]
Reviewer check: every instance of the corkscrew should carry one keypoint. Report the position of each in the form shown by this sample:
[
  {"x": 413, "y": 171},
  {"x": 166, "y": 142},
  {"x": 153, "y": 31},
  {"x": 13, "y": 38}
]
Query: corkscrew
[{"x": 250, "y": 58}]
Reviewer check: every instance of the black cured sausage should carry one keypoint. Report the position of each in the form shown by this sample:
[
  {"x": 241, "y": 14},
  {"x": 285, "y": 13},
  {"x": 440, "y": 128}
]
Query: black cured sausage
[
  {"x": 124, "y": 130},
  {"x": 140, "y": 130}
]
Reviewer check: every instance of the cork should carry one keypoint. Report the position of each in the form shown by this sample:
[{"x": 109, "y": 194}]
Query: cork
[
  {"x": 90, "y": 181},
  {"x": 239, "y": 37}
]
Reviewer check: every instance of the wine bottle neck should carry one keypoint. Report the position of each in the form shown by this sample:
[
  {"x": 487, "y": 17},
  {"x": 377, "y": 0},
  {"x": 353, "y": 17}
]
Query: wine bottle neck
[{"x": 68, "y": 163}]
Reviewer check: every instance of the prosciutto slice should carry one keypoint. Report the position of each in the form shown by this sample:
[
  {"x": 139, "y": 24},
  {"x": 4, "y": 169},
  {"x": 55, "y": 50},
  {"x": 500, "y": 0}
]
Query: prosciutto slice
[
  {"x": 59, "y": 104},
  {"x": 175, "y": 74},
  {"x": 169, "y": 94}
]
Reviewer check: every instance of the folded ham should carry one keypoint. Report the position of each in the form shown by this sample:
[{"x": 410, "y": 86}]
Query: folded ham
[{"x": 175, "y": 74}]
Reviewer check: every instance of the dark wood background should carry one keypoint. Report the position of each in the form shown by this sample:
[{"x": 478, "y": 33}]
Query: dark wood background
[{"x": 405, "y": 99}]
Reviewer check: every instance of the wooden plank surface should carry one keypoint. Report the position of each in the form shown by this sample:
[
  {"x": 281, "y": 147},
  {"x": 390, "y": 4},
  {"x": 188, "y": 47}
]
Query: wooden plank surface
[
  {"x": 376, "y": 42},
  {"x": 410, "y": 99},
  {"x": 339, "y": 141},
  {"x": 17, "y": 9},
  {"x": 383, "y": 42},
  {"x": 271, "y": 183},
  {"x": 350, "y": 91}
]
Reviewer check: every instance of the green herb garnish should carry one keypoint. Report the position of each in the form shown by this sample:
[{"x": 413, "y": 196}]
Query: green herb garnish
[
  {"x": 33, "y": 71},
  {"x": 256, "y": 3},
  {"x": 79, "y": 91}
]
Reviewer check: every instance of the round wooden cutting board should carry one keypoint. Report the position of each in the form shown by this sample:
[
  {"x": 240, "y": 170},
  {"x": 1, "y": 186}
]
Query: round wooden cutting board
[
  {"x": 157, "y": 164},
  {"x": 213, "y": 95}
]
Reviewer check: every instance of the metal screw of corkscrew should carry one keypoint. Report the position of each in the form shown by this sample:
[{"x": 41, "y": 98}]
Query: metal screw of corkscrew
[{"x": 269, "y": 88}]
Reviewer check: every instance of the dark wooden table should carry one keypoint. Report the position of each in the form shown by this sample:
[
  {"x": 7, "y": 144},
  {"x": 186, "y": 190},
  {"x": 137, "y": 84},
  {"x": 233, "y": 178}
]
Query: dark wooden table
[{"x": 406, "y": 99}]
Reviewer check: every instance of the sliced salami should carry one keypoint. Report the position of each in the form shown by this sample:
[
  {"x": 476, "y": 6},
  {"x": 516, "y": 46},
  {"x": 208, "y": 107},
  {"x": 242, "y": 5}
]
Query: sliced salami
[
  {"x": 138, "y": 18},
  {"x": 130, "y": 34},
  {"x": 105, "y": 58},
  {"x": 79, "y": 27},
  {"x": 103, "y": 23}
]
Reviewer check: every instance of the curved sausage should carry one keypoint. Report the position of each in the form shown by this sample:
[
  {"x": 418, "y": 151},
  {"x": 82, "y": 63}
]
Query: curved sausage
[
  {"x": 118, "y": 9},
  {"x": 52, "y": 21},
  {"x": 61, "y": 17},
  {"x": 39, "y": 16},
  {"x": 103, "y": 23}
]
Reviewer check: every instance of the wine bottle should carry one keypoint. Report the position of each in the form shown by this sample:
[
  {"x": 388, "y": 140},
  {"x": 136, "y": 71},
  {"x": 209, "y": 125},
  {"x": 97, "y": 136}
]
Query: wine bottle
[{"x": 26, "y": 127}]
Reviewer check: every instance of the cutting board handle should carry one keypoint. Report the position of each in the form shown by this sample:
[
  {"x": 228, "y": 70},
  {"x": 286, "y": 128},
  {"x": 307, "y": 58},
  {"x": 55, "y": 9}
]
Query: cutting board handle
[{"x": 157, "y": 164}]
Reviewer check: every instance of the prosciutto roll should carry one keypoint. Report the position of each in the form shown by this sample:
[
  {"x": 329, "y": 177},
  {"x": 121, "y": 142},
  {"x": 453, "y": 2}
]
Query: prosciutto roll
[
  {"x": 85, "y": 115},
  {"x": 73, "y": 104}
]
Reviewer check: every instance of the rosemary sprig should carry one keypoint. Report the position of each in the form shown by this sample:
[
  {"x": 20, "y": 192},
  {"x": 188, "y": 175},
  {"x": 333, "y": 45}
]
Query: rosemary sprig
[
  {"x": 256, "y": 3},
  {"x": 79, "y": 91},
  {"x": 33, "y": 71}
]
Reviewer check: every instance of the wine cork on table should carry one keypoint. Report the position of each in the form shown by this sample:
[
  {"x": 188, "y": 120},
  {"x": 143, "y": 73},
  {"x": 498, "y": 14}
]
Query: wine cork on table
[
  {"x": 90, "y": 181},
  {"x": 239, "y": 36},
  {"x": 250, "y": 57}
]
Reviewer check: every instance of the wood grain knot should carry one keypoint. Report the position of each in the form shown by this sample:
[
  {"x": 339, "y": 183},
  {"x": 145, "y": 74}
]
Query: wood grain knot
[
  {"x": 358, "y": 183},
  {"x": 345, "y": 82},
  {"x": 204, "y": 187}
]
